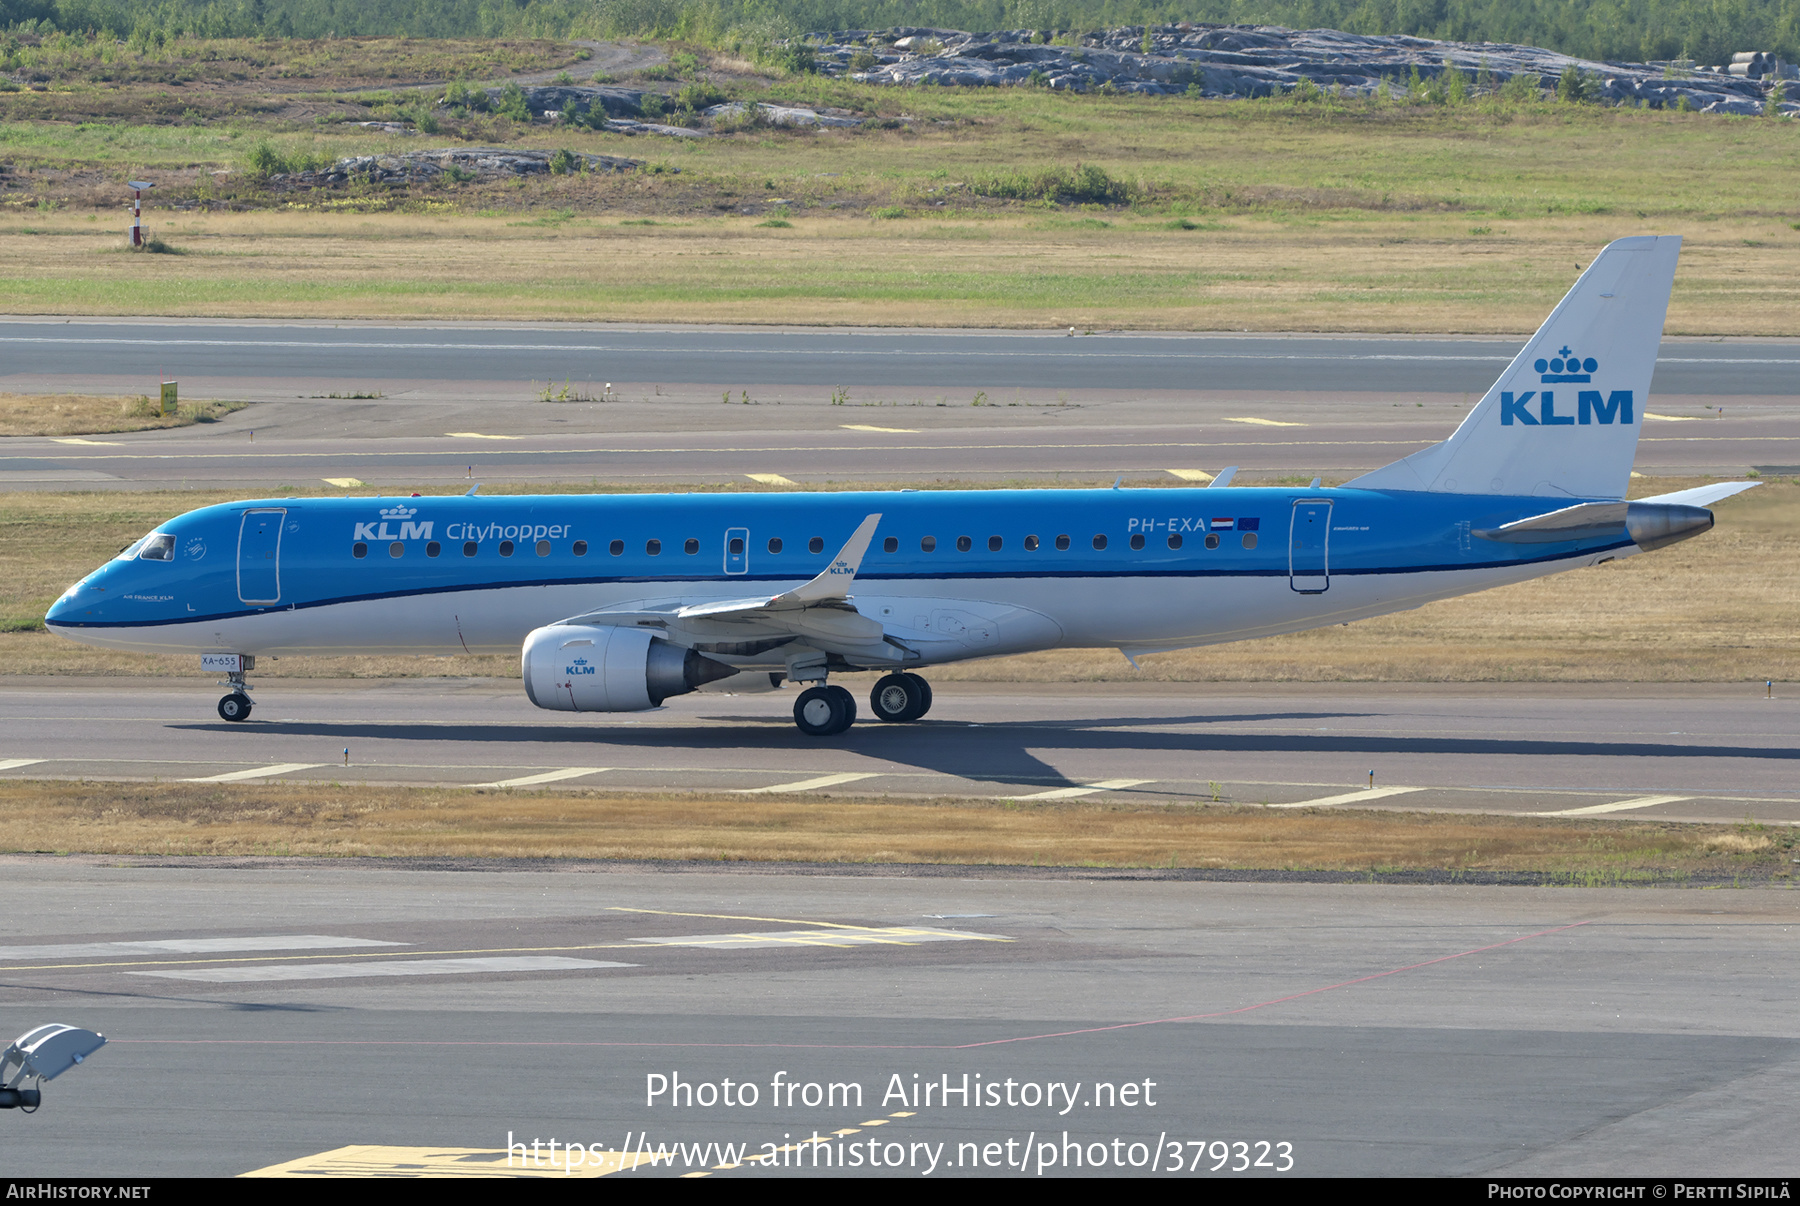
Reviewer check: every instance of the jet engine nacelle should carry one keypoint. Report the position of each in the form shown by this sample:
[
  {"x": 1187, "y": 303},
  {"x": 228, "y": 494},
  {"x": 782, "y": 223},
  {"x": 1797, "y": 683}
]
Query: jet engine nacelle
[{"x": 598, "y": 668}]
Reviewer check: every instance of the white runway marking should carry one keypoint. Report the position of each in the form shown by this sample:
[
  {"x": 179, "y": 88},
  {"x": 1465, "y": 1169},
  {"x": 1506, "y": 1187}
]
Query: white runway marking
[
  {"x": 899, "y": 935},
  {"x": 568, "y": 772},
  {"x": 477, "y": 435},
  {"x": 1673, "y": 418},
  {"x": 1617, "y": 806},
  {"x": 401, "y": 967},
  {"x": 190, "y": 946},
  {"x": 1350, "y": 797},
  {"x": 867, "y": 427},
  {"x": 806, "y": 784},
  {"x": 1266, "y": 422},
  {"x": 770, "y": 479},
  {"x": 79, "y": 440},
  {"x": 1070, "y": 793},
  {"x": 260, "y": 772},
  {"x": 16, "y": 763}
]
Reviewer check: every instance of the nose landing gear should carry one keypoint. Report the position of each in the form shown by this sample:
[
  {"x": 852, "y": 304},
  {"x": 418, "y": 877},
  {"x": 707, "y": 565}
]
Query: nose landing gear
[{"x": 236, "y": 705}]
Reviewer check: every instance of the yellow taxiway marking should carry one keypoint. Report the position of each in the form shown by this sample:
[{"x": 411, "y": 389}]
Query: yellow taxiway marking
[
  {"x": 771, "y": 479},
  {"x": 807, "y": 784},
  {"x": 257, "y": 772},
  {"x": 342, "y": 483},
  {"x": 1350, "y": 797},
  {"x": 1673, "y": 418},
  {"x": 568, "y": 772},
  {"x": 1070, "y": 793},
  {"x": 1618, "y": 806},
  {"x": 79, "y": 440},
  {"x": 1266, "y": 422},
  {"x": 868, "y": 427},
  {"x": 1190, "y": 475},
  {"x": 376, "y": 1160},
  {"x": 477, "y": 435}
]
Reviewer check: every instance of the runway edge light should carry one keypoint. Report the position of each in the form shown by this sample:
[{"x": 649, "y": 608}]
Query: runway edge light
[{"x": 42, "y": 1054}]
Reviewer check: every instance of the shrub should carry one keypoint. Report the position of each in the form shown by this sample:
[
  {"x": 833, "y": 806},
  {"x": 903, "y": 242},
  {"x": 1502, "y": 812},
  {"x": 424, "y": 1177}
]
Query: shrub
[
  {"x": 512, "y": 103},
  {"x": 651, "y": 104},
  {"x": 566, "y": 163},
  {"x": 1085, "y": 185},
  {"x": 692, "y": 98},
  {"x": 865, "y": 60}
]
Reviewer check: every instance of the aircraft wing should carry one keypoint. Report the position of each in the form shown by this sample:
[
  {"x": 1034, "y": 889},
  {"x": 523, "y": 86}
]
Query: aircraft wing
[{"x": 817, "y": 614}]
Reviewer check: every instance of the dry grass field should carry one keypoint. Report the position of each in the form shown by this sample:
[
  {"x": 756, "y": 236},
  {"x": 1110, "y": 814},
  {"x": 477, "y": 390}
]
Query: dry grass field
[
  {"x": 1718, "y": 608},
  {"x": 97, "y": 414},
  {"x": 393, "y": 822}
]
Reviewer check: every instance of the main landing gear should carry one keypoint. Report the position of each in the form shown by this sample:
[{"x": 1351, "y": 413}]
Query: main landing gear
[{"x": 828, "y": 711}]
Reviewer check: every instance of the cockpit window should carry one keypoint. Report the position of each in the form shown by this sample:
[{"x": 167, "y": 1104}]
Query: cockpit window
[
  {"x": 159, "y": 546},
  {"x": 131, "y": 550}
]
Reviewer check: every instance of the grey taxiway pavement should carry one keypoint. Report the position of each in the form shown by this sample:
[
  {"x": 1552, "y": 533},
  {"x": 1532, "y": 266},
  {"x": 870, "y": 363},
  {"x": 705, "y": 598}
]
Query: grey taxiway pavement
[
  {"x": 431, "y": 406},
  {"x": 1719, "y": 753},
  {"x": 326, "y": 1019}
]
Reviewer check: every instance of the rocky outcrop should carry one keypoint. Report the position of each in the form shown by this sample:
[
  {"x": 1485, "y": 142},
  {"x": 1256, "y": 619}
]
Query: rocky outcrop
[
  {"x": 1249, "y": 61},
  {"x": 477, "y": 163}
]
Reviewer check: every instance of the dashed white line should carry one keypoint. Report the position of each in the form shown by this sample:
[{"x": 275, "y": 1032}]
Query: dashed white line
[
  {"x": 805, "y": 784},
  {"x": 1070, "y": 793},
  {"x": 1350, "y": 797},
  {"x": 401, "y": 967},
  {"x": 1616, "y": 806},
  {"x": 260, "y": 772},
  {"x": 567, "y": 772}
]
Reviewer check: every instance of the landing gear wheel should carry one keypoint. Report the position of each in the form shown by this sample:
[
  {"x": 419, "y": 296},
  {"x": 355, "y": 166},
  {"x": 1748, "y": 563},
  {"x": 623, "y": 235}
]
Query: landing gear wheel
[
  {"x": 900, "y": 697},
  {"x": 824, "y": 711},
  {"x": 235, "y": 706},
  {"x": 924, "y": 695}
]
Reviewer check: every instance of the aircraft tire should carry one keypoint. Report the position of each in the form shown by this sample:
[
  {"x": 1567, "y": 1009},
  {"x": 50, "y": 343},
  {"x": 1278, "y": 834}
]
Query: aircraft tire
[
  {"x": 896, "y": 698},
  {"x": 820, "y": 711},
  {"x": 235, "y": 707},
  {"x": 924, "y": 695}
]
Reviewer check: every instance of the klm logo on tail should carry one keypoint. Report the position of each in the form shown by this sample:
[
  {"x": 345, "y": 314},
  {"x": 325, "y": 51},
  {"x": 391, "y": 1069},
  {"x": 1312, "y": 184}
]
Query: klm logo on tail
[{"x": 1590, "y": 407}]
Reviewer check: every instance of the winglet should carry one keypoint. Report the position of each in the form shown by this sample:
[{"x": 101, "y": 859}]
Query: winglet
[
  {"x": 834, "y": 581},
  {"x": 1224, "y": 477}
]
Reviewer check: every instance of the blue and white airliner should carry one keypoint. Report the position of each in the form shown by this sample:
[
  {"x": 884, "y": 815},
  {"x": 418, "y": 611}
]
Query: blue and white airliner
[{"x": 616, "y": 603}]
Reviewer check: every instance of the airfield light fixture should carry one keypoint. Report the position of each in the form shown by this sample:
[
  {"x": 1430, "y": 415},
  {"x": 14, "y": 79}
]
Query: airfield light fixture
[{"x": 137, "y": 188}]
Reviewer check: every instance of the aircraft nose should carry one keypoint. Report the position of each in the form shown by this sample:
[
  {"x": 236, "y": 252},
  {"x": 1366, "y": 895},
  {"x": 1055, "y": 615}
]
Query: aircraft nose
[{"x": 64, "y": 607}]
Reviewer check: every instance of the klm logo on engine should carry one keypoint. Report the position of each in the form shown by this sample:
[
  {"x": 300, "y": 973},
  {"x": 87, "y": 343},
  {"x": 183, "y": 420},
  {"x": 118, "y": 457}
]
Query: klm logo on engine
[
  {"x": 1590, "y": 407},
  {"x": 402, "y": 515},
  {"x": 580, "y": 667}
]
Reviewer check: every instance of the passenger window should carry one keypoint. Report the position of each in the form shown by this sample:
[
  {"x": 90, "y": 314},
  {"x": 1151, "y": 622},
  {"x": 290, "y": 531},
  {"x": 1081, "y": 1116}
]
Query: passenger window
[
  {"x": 994, "y": 543},
  {"x": 396, "y": 549},
  {"x": 580, "y": 549},
  {"x": 691, "y": 547},
  {"x": 616, "y": 548},
  {"x": 1137, "y": 541},
  {"x": 891, "y": 545},
  {"x": 774, "y": 544},
  {"x": 433, "y": 549},
  {"x": 964, "y": 544},
  {"x": 1174, "y": 540},
  {"x": 1212, "y": 540},
  {"x": 359, "y": 549},
  {"x": 1099, "y": 542},
  {"x": 506, "y": 548},
  {"x": 469, "y": 547},
  {"x": 1249, "y": 540},
  {"x": 816, "y": 545},
  {"x": 653, "y": 547},
  {"x": 1062, "y": 544},
  {"x": 928, "y": 544},
  {"x": 543, "y": 548},
  {"x": 737, "y": 546},
  {"x": 159, "y": 547},
  {"x": 1031, "y": 544}
]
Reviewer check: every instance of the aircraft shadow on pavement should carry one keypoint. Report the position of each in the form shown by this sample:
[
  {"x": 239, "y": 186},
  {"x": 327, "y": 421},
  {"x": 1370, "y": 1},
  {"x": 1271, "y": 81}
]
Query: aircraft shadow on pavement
[{"x": 1001, "y": 752}]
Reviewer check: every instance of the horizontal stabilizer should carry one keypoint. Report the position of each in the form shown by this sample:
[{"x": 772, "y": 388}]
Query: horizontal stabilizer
[
  {"x": 1701, "y": 496},
  {"x": 1649, "y": 525}
]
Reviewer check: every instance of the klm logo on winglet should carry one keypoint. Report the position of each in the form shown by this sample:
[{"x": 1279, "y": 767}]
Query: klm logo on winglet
[
  {"x": 1590, "y": 407},
  {"x": 840, "y": 567}
]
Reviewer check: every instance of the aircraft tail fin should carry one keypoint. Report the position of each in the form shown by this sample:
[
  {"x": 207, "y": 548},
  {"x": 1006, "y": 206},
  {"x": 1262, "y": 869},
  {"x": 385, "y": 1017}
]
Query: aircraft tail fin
[{"x": 1563, "y": 419}]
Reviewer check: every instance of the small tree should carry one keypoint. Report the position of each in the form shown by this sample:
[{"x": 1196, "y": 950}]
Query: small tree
[
  {"x": 1456, "y": 86},
  {"x": 1570, "y": 87}
]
